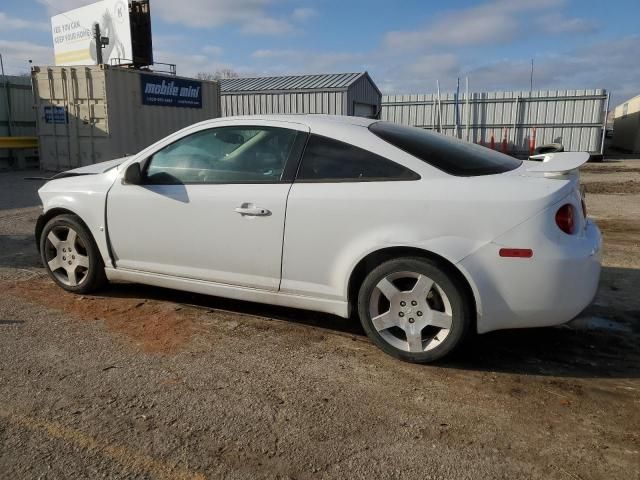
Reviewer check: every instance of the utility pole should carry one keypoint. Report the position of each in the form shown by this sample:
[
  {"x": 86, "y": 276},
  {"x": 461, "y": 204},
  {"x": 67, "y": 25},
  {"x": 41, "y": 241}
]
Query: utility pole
[
  {"x": 98, "y": 38},
  {"x": 531, "y": 79},
  {"x": 101, "y": 42}
]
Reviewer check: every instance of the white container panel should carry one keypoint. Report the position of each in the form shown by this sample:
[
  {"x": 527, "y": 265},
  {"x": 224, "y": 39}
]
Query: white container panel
[
  {"x": 106, "y": 114},
  {"x": 571, "y": 117}
]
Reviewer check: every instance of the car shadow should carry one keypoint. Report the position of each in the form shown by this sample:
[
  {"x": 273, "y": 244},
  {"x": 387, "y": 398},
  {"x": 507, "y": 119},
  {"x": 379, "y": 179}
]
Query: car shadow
[
  {"x": 603, "y": 343},
  {"x": 564, "y": 351},
  {"x": 208, "y": 302},
  {"x": 607, "y": 348}
]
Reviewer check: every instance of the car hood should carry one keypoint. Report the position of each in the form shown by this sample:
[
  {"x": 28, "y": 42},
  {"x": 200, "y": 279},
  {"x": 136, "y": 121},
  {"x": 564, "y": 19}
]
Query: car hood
[{"x": 94, "y": 169}]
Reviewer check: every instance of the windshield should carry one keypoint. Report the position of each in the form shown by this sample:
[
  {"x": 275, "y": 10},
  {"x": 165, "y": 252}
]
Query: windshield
[{"x": 453, "y": 156}]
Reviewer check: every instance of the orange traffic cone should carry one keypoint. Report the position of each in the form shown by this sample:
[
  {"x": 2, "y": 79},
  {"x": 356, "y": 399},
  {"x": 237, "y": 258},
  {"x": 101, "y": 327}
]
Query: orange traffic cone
[{"x": 532, "y": 141}]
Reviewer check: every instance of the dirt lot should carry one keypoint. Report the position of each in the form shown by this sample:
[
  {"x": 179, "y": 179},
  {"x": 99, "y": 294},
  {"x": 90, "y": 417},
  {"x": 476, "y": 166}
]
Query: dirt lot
[{"x": 139, "y": 382}]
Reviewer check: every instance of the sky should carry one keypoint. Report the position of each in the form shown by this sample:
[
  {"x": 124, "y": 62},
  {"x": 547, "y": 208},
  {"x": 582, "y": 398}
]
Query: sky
[{"x": 406, "y": 45}]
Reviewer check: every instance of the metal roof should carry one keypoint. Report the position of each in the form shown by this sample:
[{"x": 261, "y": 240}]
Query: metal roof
[{"x": 336, "y": 81}]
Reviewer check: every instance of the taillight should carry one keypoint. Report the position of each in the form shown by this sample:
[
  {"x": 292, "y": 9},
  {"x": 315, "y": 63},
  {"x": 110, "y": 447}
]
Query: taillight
[{"x": 565, "y": 218}]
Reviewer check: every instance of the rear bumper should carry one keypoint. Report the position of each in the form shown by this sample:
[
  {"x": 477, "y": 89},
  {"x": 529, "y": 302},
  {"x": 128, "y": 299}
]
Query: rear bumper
[{"x": 551, "y": 288}]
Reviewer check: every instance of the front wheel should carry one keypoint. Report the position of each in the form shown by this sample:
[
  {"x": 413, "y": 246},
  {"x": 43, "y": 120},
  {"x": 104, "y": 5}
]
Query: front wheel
[
  {"x": 414, "y": 309},
  {"x": 70, "y": 255}
]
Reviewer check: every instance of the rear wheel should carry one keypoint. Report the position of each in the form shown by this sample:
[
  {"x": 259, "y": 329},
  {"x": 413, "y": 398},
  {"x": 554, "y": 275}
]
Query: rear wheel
[
  {"x": 70, "y": 255},
  {"x": 413, "y": 309}
]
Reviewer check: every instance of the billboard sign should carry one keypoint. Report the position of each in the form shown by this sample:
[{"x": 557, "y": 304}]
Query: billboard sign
[
  {"x": 73, "y": 38},
  {"x": 170, "y": 92}
]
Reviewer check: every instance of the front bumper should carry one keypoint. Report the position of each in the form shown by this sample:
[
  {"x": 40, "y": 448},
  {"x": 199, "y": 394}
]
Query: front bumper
[{"x": 551, "y": 288}]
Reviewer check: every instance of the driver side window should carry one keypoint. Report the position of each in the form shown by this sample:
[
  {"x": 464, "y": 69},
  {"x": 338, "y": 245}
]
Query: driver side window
[{"x": 244, "y": 154}]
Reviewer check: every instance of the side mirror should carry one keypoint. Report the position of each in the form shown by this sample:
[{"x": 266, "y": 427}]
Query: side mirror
[{"x": 133, "y": 175}]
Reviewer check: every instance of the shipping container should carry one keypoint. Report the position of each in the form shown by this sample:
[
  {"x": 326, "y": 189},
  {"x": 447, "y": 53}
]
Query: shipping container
[
  {"x": 626, "y": 126},
  {"x": 573, "y": 118},
  {"x": 17, "y": 119},
  {"x": 90, "y": 114},
  {"x": 334, "y": 94}
]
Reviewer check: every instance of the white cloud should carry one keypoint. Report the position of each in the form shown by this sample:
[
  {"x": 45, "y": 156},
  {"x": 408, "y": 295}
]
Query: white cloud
[
  {"x": 16, "y": 55},
  {"x": 302, "y": 61},
  {"x": 212, "y": 50},
  {"x": 455, "y": 30},
  {"x": 252, "y": 16},
  {"x": 418, "y": 75},
  {"x": 267, "y": 53},
  {"x": 599, "y": 65},
  {"x": 436, "y": 65},
  {"x": 266, "y": 26},
  {"x": 54, "y": 7},
  {"x": 164, "y": 41},
  {"x": 210, "y": 13},
  {"x": 12, "y": 23},
  {"x": 447, "y": 46},
  {"x": 603, "y": 64},
  {"x": 525, "y": 5},
  {"x": 205, "y": 60},
  {"x": 488, "y": 23},
  {"x": 556, "y": 23},
  {"x": 303, "y": 13}
]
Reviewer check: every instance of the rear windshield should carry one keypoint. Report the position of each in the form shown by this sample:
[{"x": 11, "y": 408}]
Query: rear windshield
[{"x": 449, "y": 154}]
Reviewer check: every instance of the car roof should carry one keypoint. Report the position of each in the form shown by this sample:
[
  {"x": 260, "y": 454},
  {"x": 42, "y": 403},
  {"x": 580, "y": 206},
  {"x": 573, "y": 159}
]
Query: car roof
[{"x": 313, "y": 121}]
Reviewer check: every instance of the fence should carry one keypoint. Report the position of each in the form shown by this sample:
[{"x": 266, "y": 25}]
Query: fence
[
  {"x": 511, "y": 121},
  {"x": 17, "y": 119}
]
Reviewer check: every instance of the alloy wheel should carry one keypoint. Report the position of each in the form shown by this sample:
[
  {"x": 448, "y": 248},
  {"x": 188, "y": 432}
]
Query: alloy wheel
[
  {"x": 66, "y": 256},
  {"x": 410, "y": 311}
]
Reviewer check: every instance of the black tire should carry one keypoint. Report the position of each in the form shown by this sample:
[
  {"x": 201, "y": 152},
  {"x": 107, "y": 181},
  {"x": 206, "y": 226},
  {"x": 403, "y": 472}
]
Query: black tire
[
  {"x": 455, "y": 291},
  {"x": 94, "y": 276}
]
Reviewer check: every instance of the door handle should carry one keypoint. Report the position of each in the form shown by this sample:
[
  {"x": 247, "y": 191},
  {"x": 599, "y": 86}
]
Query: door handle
[{"x": 249, "y": 209}]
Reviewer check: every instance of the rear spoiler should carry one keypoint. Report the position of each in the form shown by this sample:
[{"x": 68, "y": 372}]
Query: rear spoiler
[{"x": 558, "y": 163}]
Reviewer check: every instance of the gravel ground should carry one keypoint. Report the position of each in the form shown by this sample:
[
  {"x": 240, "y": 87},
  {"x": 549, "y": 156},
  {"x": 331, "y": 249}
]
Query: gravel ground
[{"x": 140, "y": 382}]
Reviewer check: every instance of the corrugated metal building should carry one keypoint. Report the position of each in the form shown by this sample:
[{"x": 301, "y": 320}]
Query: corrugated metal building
[
  {"x": 626, "y": 126},
  {"x": 352, "y": 94},
  {"x": 574, "y": 118},
  {"x": 17, "y": 119},
  {"x": 95, "y": 113}
]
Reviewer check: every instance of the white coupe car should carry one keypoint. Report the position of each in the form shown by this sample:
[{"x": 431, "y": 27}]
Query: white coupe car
[{"x": 426, "y": 238}]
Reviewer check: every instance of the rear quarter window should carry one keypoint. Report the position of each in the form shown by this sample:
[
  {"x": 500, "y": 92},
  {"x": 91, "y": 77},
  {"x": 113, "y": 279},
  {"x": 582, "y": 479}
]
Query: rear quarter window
[
  {"x": 453, "y": 156},
  {"x": 329, "y": 160}
]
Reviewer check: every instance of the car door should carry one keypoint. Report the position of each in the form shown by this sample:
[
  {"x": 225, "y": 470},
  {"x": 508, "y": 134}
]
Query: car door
[
  {"x": 344, "y": 198},
  {"x": 210, "y": 206}
]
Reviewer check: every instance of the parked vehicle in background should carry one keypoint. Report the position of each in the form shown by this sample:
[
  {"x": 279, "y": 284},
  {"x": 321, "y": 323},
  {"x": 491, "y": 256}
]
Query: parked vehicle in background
[
  {"x": 426, "y": 238},
  {"x": 549, "y": 148}
]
